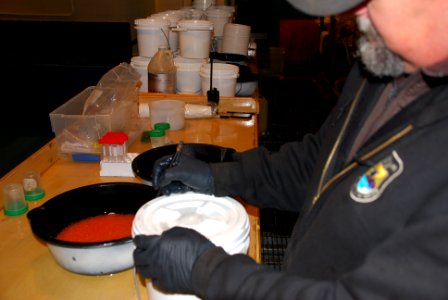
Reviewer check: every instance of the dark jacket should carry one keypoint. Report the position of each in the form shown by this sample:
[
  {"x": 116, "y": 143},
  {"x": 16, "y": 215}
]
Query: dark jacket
[{"x": 375, "y": 227}]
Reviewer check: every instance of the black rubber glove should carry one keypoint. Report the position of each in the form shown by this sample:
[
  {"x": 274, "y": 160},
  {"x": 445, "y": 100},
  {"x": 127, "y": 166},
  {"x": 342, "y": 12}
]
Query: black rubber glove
[
  {"x": 187, "y": 174},
  {"x": 168, "y": 259}
]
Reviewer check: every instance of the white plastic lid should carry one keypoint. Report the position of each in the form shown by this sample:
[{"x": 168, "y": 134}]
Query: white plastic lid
[
  {"x": 196, "y": 24},
  {"x": 173, "y": 18},
  {"x": 152, "y": 22},
  {"x": 223, "y": 220}
]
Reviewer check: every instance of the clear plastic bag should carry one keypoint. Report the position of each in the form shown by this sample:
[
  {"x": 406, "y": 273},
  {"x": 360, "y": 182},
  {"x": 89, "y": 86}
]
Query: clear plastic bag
[{"x": 114, "y": 86}]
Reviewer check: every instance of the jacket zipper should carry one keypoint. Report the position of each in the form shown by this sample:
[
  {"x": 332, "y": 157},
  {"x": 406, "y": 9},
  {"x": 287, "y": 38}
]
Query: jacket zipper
[
  {"x": 322, "y": 187},
  {"x": 338, "y": 140}
]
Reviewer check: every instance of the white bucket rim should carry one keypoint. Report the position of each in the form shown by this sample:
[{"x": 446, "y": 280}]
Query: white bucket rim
[
  {"x": 207, "y": 209},
  {"x": 220, "y": 68},
  {"x": 152, "y": 22},
  {"x": 216, "y": 12},
  {"x": 195, "y": 24},
  {"x": 167, "y": 16},
  {"x": 219, "y": 76}
]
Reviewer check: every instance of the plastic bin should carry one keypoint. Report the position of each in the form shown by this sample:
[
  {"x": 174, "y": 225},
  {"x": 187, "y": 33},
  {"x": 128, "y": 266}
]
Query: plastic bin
[{"x": 78, "y": 133}]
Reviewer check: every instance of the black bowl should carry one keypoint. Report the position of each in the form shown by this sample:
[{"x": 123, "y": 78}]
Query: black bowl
[
  {"x": 143, "y": 164},
  {"x": 96, "y": 258}
]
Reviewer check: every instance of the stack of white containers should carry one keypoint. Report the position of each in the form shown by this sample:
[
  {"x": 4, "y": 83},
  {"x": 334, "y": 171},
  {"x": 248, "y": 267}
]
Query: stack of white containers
[
  {"x": 173, "y": 17},
  {"x": 151, "y": 34},
  {"x": 194, "y": 49},
  {"x": 219, "y": 17},
  {"x": 191, "y": 33}
]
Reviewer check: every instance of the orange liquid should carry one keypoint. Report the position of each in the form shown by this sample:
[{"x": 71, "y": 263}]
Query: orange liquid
[{"x": 100, "y": 228}]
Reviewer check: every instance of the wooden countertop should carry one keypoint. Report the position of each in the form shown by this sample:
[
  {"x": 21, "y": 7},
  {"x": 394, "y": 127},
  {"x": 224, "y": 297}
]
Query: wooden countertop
[{"x": 28, "y": 271}]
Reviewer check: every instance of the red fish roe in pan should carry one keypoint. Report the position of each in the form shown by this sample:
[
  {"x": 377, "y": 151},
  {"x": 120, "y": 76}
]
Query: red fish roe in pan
[{"x": 100, "y": 228}]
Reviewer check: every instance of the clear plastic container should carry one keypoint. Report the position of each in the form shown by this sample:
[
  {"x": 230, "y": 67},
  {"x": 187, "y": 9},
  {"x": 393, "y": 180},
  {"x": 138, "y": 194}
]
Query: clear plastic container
[
  {"x": 32, "y": 187},
  {"x": 14, "y": 200},
  {"x": 158, "y": 137},
  {"x": 165, "y": 127}
]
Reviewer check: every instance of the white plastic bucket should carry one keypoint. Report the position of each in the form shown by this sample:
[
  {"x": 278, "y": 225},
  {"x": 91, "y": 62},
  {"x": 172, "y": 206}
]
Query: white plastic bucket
[
  {"x": 223, "y": 220},
  {"x": 151, "y": 34},
  {"x": 224, "y": 78},
  {"x": 219, "y": 17},
  {"x": 230, "y": 8},
  {"x": 203, "y": 4},
  {"x": 140, "y": 64},
  {"x": 188, "y": 80},
  {"x": 195, "y": 38},
  {"x": 197, "y": 14},
  {"x": 236, "y": 39},
  {"x": 173, "y": 36},
  {"x": 186, "y": 10}
]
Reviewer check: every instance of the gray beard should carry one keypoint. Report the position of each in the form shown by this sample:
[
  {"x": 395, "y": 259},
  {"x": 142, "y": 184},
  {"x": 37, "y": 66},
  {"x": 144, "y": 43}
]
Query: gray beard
[{"x": 375, "y": 55}]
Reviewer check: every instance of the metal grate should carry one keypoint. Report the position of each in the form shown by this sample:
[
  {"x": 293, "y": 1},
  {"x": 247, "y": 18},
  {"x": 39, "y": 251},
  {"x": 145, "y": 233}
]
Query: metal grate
[
  {"x": 275, "y": 227},
  {"x": 273, "y": 246}
]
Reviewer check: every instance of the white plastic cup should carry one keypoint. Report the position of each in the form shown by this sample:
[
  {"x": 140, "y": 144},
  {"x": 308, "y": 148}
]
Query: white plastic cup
[
  {"x": 195, "y": 38},
  {"x": 219, "y": 17},
  {"x": 168, "y": 111},
  {"x": 140, "y": 64},
  {"x": 224, "y": 78},
  {"x": 236, "y": 39},
  {"x": 151, "y": 34},
  {"x": 188, "y": 80},
  {"x": 223, "y": 220}
]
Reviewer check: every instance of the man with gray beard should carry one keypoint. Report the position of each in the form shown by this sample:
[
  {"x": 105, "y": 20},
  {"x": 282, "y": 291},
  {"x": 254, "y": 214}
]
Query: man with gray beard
[
  {"x": 370, "y": 185},
  {"x": 374, "y": 53}
]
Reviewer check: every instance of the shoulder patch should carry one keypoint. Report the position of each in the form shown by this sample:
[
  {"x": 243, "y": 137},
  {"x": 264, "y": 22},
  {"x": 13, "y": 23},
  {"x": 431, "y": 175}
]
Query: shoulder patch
[{"x": 372, "y": 184}]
